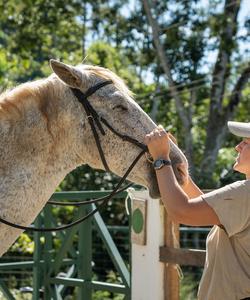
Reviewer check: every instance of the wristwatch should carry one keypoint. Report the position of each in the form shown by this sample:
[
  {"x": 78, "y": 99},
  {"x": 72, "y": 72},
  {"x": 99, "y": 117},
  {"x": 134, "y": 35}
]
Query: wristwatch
[{"x": 160, "y": 162}]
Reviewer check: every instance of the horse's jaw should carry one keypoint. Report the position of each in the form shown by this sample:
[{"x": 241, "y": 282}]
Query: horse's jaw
[
  {"x": 147, "y": 178},
  {"x": 154, "y": 192}
]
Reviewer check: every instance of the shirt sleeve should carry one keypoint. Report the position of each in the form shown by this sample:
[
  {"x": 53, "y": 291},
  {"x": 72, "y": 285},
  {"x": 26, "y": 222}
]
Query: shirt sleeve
[{"x": 232, "y": 205}]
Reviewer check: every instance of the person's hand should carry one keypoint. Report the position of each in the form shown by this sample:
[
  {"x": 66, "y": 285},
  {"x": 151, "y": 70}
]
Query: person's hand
[
  {"x": 157, "y": 142},
  {"x": 173, "y": 138}
]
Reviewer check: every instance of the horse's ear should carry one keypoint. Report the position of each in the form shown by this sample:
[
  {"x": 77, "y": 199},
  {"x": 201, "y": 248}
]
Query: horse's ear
[{"x": 68, "y": 74}]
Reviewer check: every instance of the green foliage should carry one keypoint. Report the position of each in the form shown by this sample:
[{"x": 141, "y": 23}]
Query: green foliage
[
  {"x": 25, "y": 245},
  {"x": 189, "y": 286},
  {"x": 103, "y": 54},
  {"x": 116, "y": 35},
  {"x": 33, "y": 32},
  {"x": 112, "y": 277},
  {"x": 17, "y": 295}
]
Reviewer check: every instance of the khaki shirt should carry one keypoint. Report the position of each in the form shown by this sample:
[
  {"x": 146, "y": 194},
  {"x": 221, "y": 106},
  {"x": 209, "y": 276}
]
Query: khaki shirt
[{"x": 226, "y": 273}]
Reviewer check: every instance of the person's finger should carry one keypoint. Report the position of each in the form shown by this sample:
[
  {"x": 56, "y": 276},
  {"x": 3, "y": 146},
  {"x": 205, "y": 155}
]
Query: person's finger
[
  {"x": 161, "y": 128},
  {"x": 158, "y": 133},
  {"x": 173, "y": 139},
  {"x": 147, "y": 139}
]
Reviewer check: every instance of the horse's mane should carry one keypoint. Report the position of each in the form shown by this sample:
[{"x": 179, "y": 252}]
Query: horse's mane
[
  {"x": 40, "y": 91},
  {"x": 12, "y": 101}
]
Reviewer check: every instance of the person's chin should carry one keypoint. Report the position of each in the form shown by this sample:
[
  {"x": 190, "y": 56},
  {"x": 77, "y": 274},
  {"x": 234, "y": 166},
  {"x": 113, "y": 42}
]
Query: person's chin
[{"x": 236, "y": 167}]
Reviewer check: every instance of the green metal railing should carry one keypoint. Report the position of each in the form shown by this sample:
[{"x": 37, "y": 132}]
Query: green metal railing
[{"x": 73, "y": 258}]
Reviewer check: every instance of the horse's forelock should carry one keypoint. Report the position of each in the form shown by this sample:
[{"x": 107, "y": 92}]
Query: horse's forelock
[{"x": 108, "y": 75}]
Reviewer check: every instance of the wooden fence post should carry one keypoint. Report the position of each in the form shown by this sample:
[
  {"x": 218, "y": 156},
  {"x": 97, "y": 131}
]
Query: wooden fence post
[{"x": 172, "y": 280}]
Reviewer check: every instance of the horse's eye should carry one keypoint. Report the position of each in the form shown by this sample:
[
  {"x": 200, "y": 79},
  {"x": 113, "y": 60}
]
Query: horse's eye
[{"x": 120, "y": 107}]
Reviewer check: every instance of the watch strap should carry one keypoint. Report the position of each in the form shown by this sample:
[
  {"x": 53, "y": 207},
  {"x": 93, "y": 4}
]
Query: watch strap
[{"x": 160, "y": 162}]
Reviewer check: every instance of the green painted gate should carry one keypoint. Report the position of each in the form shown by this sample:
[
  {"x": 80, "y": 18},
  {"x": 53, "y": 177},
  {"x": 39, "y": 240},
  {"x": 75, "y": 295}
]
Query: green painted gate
[{"x": 71, "y": 265}]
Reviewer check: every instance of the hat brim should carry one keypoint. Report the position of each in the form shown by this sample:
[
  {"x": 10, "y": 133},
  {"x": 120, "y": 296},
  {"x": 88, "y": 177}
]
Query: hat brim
[{"x": 239, "y": 128}]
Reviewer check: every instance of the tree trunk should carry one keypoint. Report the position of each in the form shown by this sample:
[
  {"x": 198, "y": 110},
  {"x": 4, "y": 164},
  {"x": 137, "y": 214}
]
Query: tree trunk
[
  {"x": 84, "y": 16},
  {"x": 183, "y": 114},
  {"x": 218, "y": 114},
  {"x": 219, "y": 129}
]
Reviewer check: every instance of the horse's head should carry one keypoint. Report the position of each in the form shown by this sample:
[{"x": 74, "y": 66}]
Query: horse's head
[{"x": 114, "y": 103}]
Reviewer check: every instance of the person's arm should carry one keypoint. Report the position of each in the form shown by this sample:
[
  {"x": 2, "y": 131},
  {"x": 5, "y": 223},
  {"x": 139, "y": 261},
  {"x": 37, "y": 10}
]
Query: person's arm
[
  {"x": 188, "y": 186},
  {"x": 191, "y": 189},
  {"x": 180, "y": 207}
]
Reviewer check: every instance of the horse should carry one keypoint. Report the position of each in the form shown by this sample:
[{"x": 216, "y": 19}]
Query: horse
[{"x": 45, "y": 134}]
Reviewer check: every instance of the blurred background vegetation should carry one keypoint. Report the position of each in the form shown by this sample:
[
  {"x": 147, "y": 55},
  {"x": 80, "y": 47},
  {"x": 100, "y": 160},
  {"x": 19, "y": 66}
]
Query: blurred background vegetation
[{"x": 187, "y": 62}]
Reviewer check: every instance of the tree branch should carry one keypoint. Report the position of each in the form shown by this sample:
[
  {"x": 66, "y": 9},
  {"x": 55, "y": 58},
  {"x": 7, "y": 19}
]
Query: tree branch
[
  {"x": 222, "y": 66},
  {"x": 219, "y": 114},
  {"x": 237, "y": 90},
  {"x": 165, "y": 64}
]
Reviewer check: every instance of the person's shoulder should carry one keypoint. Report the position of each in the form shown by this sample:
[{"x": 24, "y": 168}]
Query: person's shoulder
[
  {"x": 246, "y": 185},
  {"x": 240, "y": 184},
  {"x": 238, "y": 188}
]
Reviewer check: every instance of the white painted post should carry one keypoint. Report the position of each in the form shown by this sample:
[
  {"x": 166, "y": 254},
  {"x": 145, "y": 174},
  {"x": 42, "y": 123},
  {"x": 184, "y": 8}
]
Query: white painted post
[{"x": 147, "y": 271}]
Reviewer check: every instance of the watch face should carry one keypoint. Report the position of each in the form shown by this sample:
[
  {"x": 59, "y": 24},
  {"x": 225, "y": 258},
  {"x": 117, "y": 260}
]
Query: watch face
[{"x": 158, "y": 163}]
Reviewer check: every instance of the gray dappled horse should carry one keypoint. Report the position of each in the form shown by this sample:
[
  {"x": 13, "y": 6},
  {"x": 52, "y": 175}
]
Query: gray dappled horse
[{"x": 44, "y": 134}]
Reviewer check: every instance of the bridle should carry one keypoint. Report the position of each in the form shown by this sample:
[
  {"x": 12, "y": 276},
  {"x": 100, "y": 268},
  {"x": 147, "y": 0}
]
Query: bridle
[{"x": 95, "y": 121}]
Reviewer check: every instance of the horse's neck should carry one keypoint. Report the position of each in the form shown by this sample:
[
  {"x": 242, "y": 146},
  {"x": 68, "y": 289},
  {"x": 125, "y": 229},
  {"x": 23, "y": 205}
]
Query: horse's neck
[
  {"x": 36, "y": 147},
  {"x": 36, "y": 152}
]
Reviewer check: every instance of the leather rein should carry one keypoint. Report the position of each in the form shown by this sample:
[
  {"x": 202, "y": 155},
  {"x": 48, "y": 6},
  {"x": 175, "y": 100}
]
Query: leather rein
[{"x": 95, "y": 122}]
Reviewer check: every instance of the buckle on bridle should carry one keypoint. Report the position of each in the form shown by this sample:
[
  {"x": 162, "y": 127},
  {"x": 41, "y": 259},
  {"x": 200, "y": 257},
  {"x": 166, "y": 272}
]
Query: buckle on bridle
[{"x": 149, "y": 157}]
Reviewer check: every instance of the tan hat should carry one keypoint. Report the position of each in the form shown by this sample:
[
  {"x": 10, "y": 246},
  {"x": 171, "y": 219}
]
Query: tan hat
[{"x": 239, "y": 128}]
